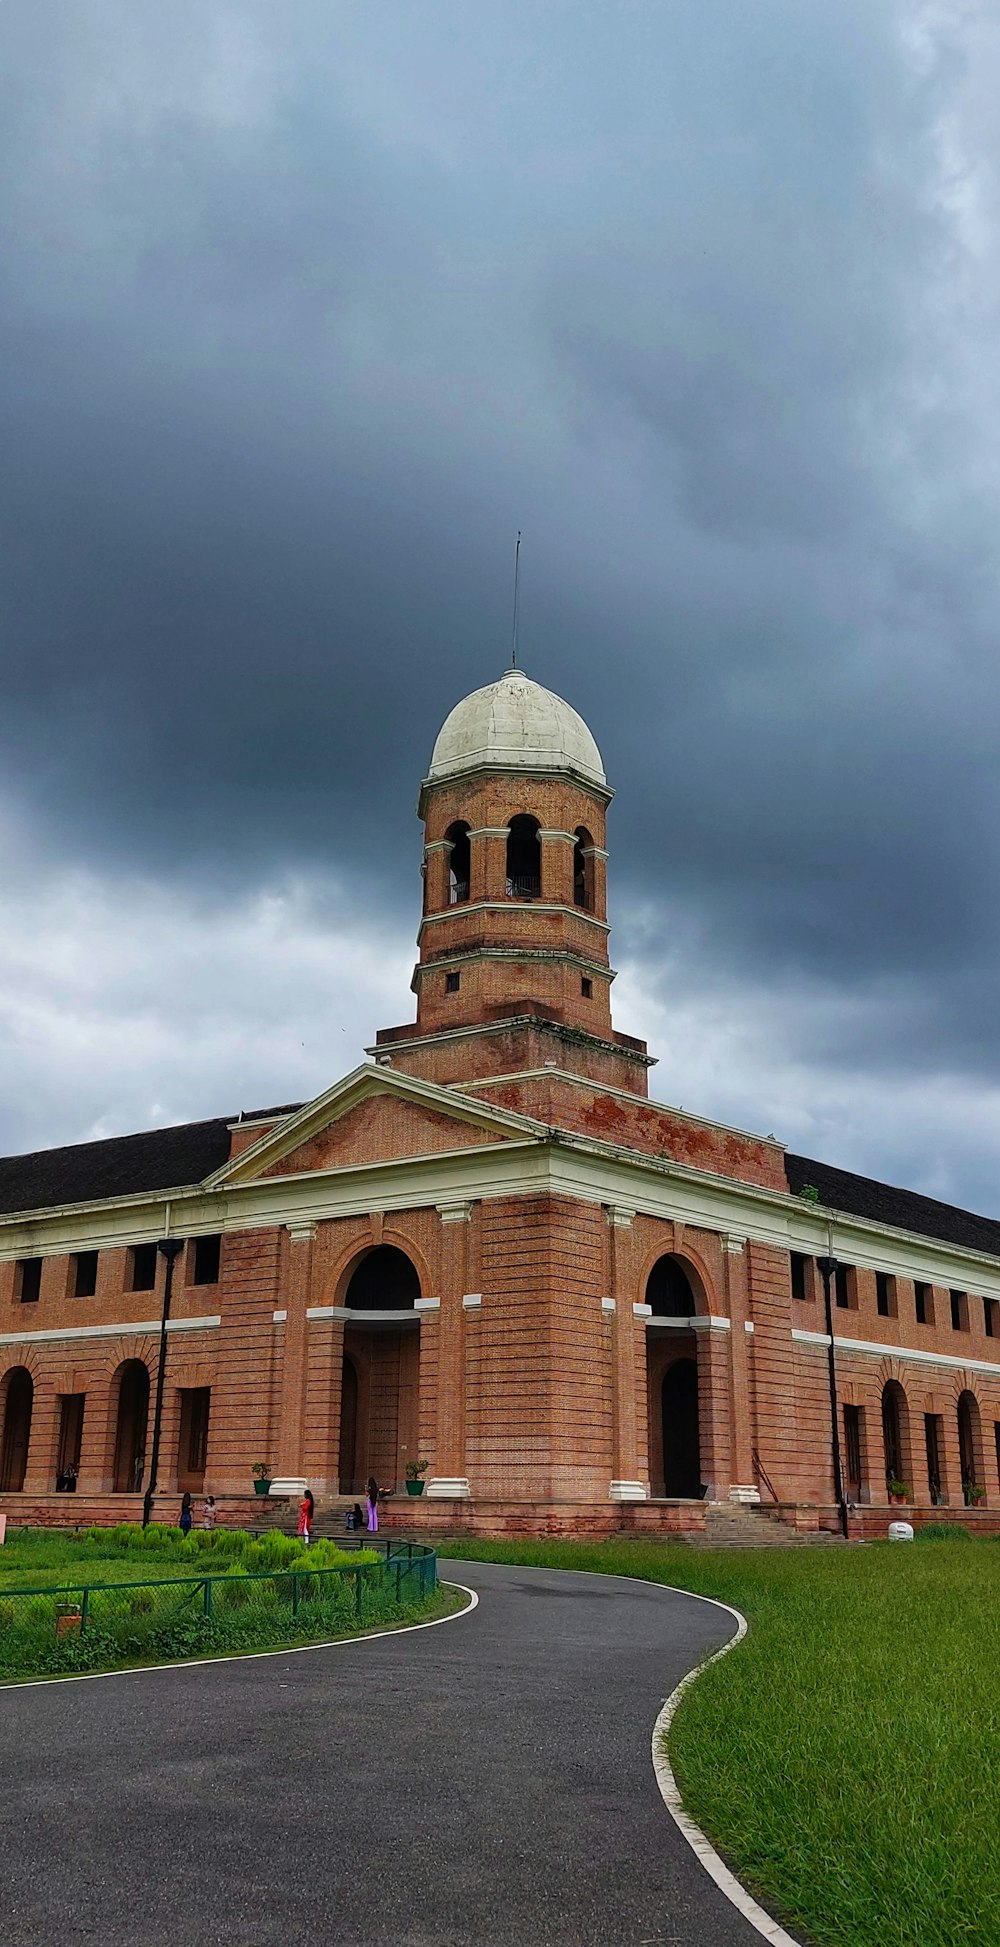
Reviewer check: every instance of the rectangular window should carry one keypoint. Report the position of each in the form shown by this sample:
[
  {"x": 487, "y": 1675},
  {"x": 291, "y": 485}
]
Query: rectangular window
[
  {"x": 842, "y": 1283},
  {"x": 193, "y": 1441},
  {"x": 885, "y": 1294},
  {"x": 452, "y": 983},
  {"x": 85, "y": 1274},
  {"x": 959, "y": 1311},
  {"x": 28, "y": 1280},
  {"x": 923, "y": 1298},
  {"x": 586, "y": 987},
  {"x": 143, "y": 1267},
  {"x": 798, "y": 1264},
  {"x": 996, "y": 1443},
  {"x": 206, "y": 1260},
  {"x": 990, "y": 1311}
]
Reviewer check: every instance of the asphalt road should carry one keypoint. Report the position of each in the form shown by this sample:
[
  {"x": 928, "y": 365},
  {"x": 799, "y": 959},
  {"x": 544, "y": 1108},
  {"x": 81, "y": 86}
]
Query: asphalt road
[{"x": 488, "y": 1781}]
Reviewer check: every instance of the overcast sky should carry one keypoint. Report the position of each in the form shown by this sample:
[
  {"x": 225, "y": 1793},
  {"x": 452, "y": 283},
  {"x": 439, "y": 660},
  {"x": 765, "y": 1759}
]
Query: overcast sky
[{"x": 304, "y": 310}]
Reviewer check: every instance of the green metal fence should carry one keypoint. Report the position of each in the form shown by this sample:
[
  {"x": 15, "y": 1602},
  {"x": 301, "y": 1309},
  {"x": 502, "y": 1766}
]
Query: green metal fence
[{"x": 151, "y": 1617}]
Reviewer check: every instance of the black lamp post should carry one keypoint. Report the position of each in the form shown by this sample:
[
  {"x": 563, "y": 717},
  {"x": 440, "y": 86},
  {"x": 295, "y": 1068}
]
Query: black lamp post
[
  {"x": 827, "y": 1267},
  {"x": 169, "y": 1247}
]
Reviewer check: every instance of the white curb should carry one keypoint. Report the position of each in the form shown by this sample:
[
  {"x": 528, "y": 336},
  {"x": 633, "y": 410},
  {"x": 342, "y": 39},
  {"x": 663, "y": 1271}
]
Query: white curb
[{"x": 717, "y": 1869}]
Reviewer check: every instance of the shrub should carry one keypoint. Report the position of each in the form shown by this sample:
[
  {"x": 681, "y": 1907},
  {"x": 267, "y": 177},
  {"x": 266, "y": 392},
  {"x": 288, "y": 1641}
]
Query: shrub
[
  {"x": 141, "y": 1602},
  {"x": 942, "y": 1531}
]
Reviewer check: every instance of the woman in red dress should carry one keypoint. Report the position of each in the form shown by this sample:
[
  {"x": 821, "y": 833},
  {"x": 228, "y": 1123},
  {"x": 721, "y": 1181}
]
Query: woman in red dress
[{"x": 306, "y": 1509}]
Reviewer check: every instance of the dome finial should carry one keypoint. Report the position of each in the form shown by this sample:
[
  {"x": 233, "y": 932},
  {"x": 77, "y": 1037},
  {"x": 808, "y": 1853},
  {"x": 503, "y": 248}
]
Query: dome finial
[{"x": 517, "y": 588}]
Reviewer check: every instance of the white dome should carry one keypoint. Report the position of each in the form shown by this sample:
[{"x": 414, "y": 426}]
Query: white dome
[{"x": 515, "y": 725}]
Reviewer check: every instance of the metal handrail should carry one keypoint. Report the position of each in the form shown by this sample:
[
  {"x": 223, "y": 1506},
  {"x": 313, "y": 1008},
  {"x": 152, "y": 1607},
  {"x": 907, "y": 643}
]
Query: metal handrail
[
  {"x": 523, "y": 887},
  {"x": 761, "y": 1472}
]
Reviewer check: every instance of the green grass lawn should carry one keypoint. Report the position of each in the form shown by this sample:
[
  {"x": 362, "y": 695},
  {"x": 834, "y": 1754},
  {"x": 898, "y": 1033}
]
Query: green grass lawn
[
  {"x": 845, "y": 1758},
  {"x": 156, "y": 1596}
]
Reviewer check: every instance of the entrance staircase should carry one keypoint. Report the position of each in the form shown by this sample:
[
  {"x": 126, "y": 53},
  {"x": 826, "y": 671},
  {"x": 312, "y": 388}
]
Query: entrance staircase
[{"x": 729, "y": 1525}]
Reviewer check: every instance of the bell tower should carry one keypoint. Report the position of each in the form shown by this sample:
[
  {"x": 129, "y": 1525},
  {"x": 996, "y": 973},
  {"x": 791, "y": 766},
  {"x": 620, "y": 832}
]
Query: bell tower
[{"x": 514, "y": 932}]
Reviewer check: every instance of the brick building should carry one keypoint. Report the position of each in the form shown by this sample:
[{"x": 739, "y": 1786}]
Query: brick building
[{"x": 487, "y": 1248}]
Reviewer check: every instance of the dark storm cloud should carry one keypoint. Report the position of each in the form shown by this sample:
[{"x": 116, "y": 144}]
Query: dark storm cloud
[{"x": 304, "y": 311}]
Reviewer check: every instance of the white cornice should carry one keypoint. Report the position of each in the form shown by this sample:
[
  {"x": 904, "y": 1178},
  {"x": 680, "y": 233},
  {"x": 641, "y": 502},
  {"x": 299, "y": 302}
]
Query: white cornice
[
  {"x": 134, "y": 1329},
  {"x": 910, "y": 1356},
  {"x": 505, "y": 906},
  {"x": 548, "y": 1160},
  {"x": 412, "y": 1039},
  {"x": 566, "y": 956}
]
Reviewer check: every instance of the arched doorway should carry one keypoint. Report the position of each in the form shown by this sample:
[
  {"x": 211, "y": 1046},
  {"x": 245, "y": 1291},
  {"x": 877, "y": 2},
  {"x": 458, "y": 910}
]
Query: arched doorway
[
  {"x": 672, "y": 1382},
  {"x": 19, "y": 1395},
  {"x": 381, "y": 1373},
  {"x": 130, "y": 1429},
  {"x": 893, "y": 1427},
  {"x": 969, "y": 1449},
  {"x": 681, "y": 1447}
]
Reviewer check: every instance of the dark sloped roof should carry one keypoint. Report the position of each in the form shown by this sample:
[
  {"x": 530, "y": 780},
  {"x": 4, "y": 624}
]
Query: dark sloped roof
[
  {"x": 122, "y": 1166},
  {"x": 880, "y": 1203},
  {"x": 118, "y": 1166}
]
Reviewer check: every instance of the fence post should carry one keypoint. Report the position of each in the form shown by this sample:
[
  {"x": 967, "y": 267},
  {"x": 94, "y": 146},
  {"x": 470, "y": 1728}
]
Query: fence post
[
  {"x": 85, "y": 1604},
  {"x": 208, "y": 1595}
]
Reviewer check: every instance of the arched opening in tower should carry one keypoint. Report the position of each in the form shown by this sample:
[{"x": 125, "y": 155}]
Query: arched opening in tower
[
  {"x": 524, "y": 858},
  {"x": 583, "y": 870},
  {"x": 459, "y": 863}
]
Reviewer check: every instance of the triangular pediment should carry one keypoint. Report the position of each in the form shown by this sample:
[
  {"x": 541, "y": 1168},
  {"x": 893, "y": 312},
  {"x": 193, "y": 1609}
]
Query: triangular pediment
[{"x": 375, "y": 1116}]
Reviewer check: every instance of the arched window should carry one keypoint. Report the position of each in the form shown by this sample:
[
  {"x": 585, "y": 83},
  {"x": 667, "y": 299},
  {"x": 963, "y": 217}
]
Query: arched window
[
  {"x": 969, "y": 1436},
  {"x": 130, "y": 1430},
  {"x": 18, "y": 1395},
  {"x": 524, "y": 858},
  {"x": 458, "y": 862},
  {"x": 893, "y": 1420},
  {"x": 385, "y": 1280},
  {"x": 583, "y": 870},
  {"x": 668, "y": 1290}
]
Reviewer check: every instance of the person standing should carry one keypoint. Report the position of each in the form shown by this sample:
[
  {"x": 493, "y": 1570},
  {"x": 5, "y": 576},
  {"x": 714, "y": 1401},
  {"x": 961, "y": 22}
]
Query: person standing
[
  {"x": 186, "y": 1515},
  {"x": 307, "y": 1508},
  {"x": 209, "y": 1512},
  {"x": 372, "y": 1493}
]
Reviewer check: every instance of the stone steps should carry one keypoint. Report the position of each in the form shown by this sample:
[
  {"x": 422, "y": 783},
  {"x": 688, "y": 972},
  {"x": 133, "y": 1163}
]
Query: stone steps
[{"x": 755, "y": 1527}]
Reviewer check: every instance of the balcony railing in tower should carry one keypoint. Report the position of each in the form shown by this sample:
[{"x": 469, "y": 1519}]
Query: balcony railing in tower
[
  {"x": 523, "y": 887},
  {"x": 458, "y": 892}
]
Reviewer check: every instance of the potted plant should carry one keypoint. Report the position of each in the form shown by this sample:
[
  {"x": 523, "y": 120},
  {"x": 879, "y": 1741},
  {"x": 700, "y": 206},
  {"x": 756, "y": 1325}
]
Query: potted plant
[
  {"x": 974, "y": 1494},
  {"x": 261, "y": 1477},
  {"x": 899, "y": 1492},
  {"x": 69, "y": 1618},
  {"x": 415, "y": 1469}
]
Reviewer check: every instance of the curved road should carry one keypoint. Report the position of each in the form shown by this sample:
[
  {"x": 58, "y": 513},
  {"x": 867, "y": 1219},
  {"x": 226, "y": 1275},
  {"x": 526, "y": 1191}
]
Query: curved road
[{"x": 482, "y": 1783}]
